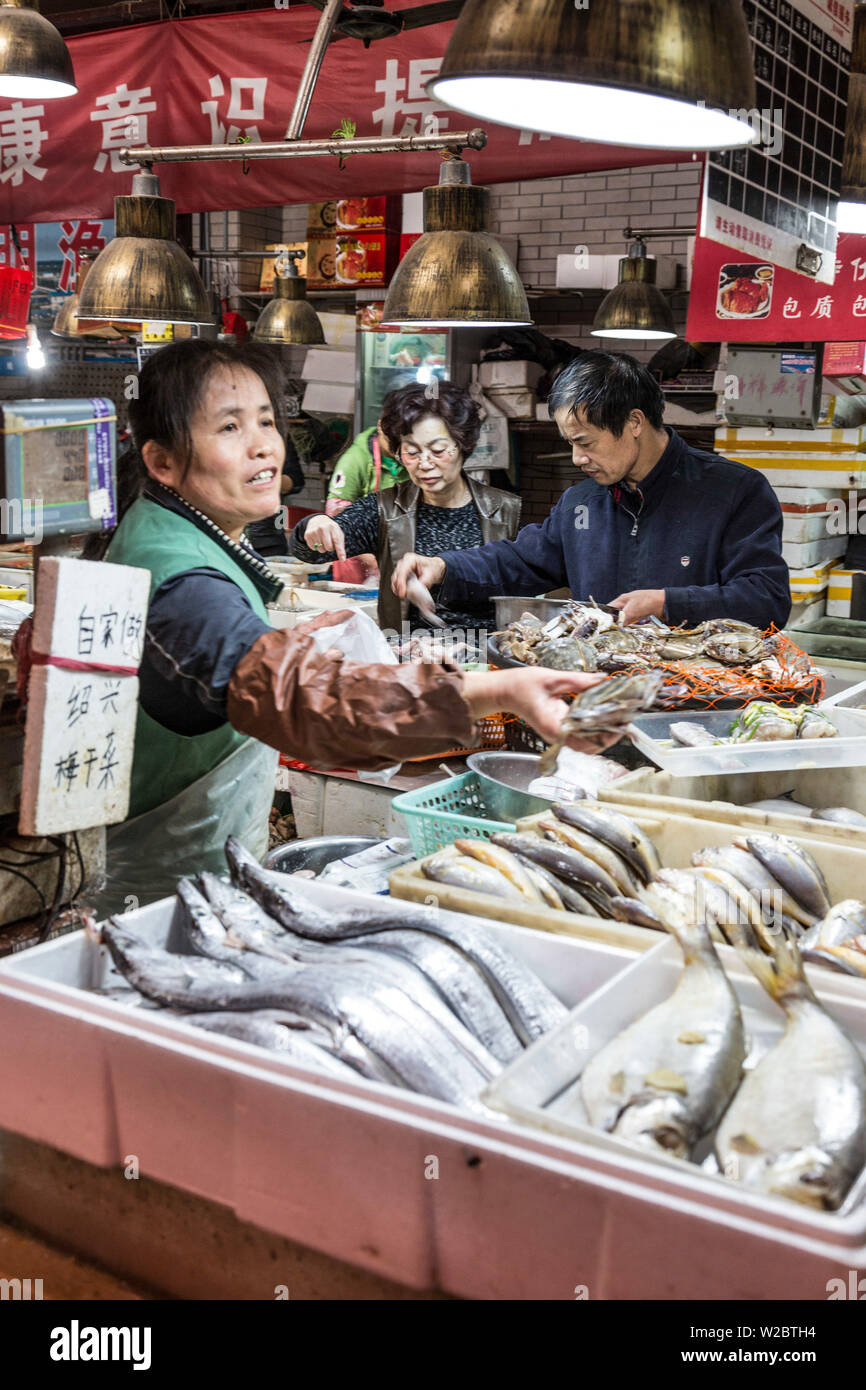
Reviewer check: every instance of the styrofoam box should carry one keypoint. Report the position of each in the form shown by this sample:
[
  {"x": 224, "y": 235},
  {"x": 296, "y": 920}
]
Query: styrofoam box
[
  {"x": 344, "y": 1167},
  {"x": 806, "y": 498},
  {"x": 329, "y": 364},
  {"x": 526, "y": 1088},
  {"x": 792, "y": 470},
  {"x": 801, "y": 527},
  {"x": 805, "y": 611},
  {"x": 509, "y": 373},
  {"x": 828, "y": 442},
  {"x": 727, "y": 795},
  {"x": 804, "y": 554},
  {"x": 339, "y": 330},
  {"x": 809, "y": 583},
  {"x": 326, "y": 398},
  {"x": 839, "y": 593}
]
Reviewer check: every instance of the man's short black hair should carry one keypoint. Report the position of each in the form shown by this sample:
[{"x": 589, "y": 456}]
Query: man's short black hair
[{"x": 607, "y": 386}]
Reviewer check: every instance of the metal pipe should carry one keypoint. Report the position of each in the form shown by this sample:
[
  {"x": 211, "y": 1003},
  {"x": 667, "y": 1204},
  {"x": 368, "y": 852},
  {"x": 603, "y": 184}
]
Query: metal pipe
[
  {"x": 298, "y": 149},
  {"x": 309, "y": 76},
  {"x": 631, "y": 235}
]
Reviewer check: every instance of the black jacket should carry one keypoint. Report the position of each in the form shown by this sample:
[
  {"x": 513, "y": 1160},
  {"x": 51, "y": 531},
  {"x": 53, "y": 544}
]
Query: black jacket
[{"x": 703, "y": 528}]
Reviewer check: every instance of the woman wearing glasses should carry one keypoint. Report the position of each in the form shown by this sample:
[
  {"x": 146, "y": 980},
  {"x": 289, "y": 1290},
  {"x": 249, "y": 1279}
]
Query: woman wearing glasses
[{"x": 440, "y": 508}]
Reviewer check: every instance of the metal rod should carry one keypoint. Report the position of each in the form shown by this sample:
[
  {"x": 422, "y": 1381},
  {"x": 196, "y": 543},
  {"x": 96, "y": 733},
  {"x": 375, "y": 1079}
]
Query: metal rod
[
  {"x": 309, "y": 76},
  {"x": 298, "y": 149},
  {"x": 631, "y": 235}
]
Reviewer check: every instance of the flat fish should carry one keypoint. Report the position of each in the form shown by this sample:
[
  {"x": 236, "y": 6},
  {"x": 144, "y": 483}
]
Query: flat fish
[
  {"x": 797, "y": 1125},
  {"x": 666, "y": 1079},
  {"x": 531, "y": 1007}
]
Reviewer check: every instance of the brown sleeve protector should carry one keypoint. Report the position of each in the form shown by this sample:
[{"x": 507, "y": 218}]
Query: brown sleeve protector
[{"x": 324, "y": 710}]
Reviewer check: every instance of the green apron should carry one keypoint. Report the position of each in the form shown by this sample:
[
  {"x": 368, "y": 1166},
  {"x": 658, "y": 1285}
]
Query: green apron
[{"x": 187, "y": 793}]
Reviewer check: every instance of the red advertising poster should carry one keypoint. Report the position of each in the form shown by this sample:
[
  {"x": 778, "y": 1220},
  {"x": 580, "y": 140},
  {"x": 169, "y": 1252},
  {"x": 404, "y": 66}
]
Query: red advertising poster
[
  {"x": 740, "y": 298},
  {"x": 234, "y": 78}
]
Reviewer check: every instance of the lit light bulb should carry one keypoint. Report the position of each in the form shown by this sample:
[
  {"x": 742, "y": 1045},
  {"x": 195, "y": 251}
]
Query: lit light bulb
[
  {"x": 35, "y": 355},
  {"x": 851, "y": 217}
]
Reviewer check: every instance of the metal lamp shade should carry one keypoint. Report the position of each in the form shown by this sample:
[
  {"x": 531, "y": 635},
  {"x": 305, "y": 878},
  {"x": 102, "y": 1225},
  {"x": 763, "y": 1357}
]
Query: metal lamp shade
[
  {"x": 34, "y": 60},
  {"x": 851, "y": 216},
  {"x": 455, "y": 273},
  {"x": 636, "y": 308},
  {"x": 289, "y": 317},
  {"x": 143, "y": 274},
  {"x": 666, "y": 74}
]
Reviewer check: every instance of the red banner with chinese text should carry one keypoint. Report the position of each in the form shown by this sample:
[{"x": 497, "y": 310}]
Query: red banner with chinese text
[
  {"x": 231, "y": 77},
  {"x": 739, "y": 298}
]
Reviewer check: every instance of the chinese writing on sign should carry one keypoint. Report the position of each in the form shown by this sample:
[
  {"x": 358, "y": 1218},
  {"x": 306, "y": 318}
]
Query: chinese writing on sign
[
  {"x": 76, "y": 238},
  {"x": 416, "y": 105},
  {"x": 21, "y": 141},
  {"x": 246, "y": 103},
  {"x": 124, "y": 122},
  {"x": 110, "y": 633},
  {"x": 744, "y": 233}
]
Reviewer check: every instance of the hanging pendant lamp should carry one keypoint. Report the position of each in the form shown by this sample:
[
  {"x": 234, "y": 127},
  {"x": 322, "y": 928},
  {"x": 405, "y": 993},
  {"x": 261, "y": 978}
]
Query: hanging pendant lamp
[
  {"x": 456, "y": 274},
  {"x": 288, "y": 317},
  {"x": 851, "y": 213},
  {"x": 34, "y": 60},
  {"x": 666, "y": 74},
  {"x": 67, "y": 323},
  {"x": 143, "y": 274},
  {"x": 636, "y": 308}
]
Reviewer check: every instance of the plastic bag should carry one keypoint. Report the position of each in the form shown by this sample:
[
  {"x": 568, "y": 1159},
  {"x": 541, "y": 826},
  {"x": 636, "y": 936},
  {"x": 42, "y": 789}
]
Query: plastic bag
[
  {"x": 368, "y": 871},
  {"x": 361, "y": 640}
]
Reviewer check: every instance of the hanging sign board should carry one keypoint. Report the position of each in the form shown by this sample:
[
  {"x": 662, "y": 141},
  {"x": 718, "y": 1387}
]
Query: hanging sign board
[{"x": 88, "y": 632}]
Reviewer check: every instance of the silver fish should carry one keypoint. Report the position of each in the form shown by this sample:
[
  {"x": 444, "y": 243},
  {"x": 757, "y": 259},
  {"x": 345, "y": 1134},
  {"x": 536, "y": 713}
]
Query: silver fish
[
  {"x": 840, "y": 815},
  {"x": 706, "y": 901},
  {"x": 188, "y": 983},
  {"x": 593, "y": 848},
  {"x": 849, "y": 958},
  {"x": 797, "y": 1125},
  {"x": 463, "y": 988},
  {"x": 544, "y": 884},
  {"x": 572, "y": 900},
  {"x": 618, "y": 832},
  {"x": 691, "y": 735},
  {"x": 531, "y": 1007},
  {"x": 844, "y": 921},
  {"x": 277, "y": 1032},
  {"x": 783, "y": 804},
  {"x": 462, "y": 872},
  {"x": 637, "y": 913},
  {"x": 793, "y": 867},
  {"x": 588, "y": 877},
  {"x": 496, "y": 857},
  {"x": 772, "y": 898},
  {"x": 665, "y": 1080},
  {"x": 420, "y": 597},
  {"x": 603, "y": 709}
]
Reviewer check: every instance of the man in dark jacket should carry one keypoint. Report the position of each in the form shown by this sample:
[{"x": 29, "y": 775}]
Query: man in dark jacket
[{"x": 654, "y": 527}]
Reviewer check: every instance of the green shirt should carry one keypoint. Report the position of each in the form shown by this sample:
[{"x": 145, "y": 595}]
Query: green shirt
[{"x": 355, "y": 474}]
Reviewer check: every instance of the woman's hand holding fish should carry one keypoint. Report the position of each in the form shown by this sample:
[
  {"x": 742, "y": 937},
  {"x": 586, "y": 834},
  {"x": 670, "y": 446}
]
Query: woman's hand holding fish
[
  {"x": 640, "y": 603},
  {"x": 535, "y": 695},
  {"x": 325, "y": 535},
  {"x": 428, "y": 568}
]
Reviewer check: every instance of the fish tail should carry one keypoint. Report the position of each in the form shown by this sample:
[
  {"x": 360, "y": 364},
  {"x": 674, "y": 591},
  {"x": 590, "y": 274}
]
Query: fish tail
[{"x": 779, "y": 969}]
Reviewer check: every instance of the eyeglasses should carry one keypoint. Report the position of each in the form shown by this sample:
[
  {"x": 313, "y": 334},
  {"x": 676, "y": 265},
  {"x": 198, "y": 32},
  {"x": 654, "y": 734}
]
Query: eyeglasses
[{"x": 410, "y": 454}]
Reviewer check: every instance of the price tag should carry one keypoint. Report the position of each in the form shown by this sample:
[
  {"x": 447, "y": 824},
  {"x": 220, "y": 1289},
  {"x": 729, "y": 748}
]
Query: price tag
[{"x": 157, "y": 332}]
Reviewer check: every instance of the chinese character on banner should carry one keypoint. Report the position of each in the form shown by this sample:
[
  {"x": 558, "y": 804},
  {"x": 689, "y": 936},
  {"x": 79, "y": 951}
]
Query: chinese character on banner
[
  {"x": 26, "y": 240},
  {"x": 791, "y": 309},
  {"x": 859, "y": 306},
  {"x": 76, "y": 238},
  {"x": 246, "y": 103},
  {"x": 124, "y": 123},
  {"x": 21, "y": 140},
  {"x": 415, "y": 108},
  {"x": 823, "y": 307}
]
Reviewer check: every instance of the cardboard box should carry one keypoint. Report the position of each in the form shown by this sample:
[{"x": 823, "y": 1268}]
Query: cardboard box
[
  {"x": 329, "y": 398},
  {"x": 339, "y": 330},
  {"x": 369, "y": 214},
  {"x": 514, "y": 401},
  {"x": 321, "y": 263},
  {"x": 321, "y": 219},
  {"x": 329, "y": 364},
  {"x": 509, "y": 374},
  {"x": 366, "y": 258}
]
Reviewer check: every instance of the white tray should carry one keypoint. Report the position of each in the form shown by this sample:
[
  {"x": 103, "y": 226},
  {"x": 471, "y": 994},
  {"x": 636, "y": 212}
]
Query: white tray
[
  {"x": 651, "y": 734},
  {"x": 527, "y": 1088}
]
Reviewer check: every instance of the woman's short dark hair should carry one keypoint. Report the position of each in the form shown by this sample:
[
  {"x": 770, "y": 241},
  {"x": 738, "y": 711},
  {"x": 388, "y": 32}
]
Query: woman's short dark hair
[
  {"x": 403, "y": 409},
  {"x": 168, "y": 392},
  {"x": 607, "y": 387}
]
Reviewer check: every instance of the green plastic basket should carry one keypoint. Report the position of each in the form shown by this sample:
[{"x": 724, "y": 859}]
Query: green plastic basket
[{"x": 451, "y": 810}]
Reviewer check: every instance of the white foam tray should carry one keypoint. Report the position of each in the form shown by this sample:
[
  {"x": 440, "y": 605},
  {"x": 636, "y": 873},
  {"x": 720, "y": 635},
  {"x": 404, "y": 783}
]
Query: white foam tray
[
  {"x": 651, "y": 734},
  {"x": 346, "y": 1167}
]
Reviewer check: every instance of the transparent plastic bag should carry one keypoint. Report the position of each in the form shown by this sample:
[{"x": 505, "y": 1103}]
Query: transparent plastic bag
[{"x": 361, "y": 640}]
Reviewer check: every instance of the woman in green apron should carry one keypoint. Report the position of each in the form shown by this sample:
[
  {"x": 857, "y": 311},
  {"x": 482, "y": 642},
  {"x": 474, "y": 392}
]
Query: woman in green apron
[{"x": 220, "y": 690}]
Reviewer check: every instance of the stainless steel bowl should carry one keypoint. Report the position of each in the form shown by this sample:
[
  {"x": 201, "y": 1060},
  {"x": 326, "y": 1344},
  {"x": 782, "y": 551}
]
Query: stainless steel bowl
[
  {"x": 317, "y": 852},
  {"x": 504, "y": 778},
  {"x": 510, "y": 610}
]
